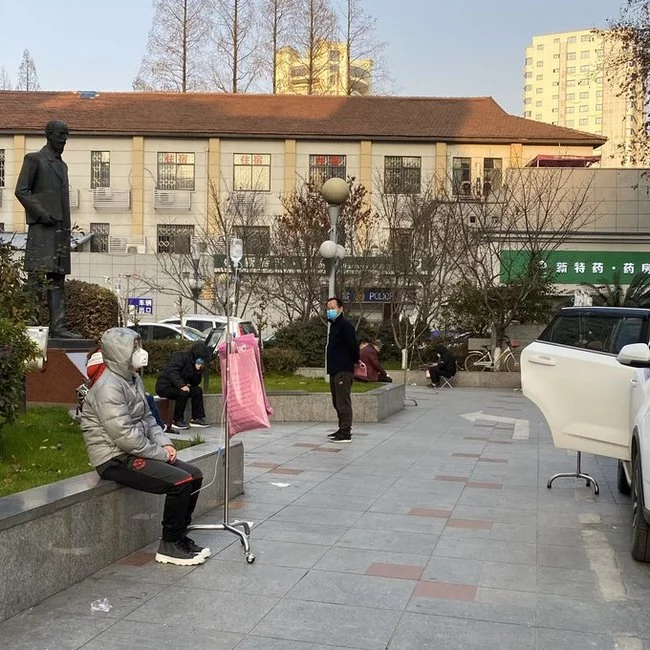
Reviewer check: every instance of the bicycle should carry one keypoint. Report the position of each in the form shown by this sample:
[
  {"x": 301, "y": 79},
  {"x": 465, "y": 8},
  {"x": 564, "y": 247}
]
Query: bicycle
[{"x": 482, "y": 360}]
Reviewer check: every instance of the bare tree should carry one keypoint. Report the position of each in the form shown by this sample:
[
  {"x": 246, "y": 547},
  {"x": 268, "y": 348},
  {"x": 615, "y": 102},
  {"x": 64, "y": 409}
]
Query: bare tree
[
  {"x": 315, "y": 27},
  {"x": 5, "y": 80},
  {"x": 176, "y": 49},
  {"x": 627, "y": 67},
  {"x": 364, "y": 55},
  {"x": 507, "y": 237},
  {"x": 275, "y": 18},
  {"x": 27, "y": 75},
  {"x": 236, "y": 62}
]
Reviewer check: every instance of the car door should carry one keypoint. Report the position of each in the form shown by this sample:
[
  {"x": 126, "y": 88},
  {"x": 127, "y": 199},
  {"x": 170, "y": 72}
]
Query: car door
[{"x": 572, "y": 375}]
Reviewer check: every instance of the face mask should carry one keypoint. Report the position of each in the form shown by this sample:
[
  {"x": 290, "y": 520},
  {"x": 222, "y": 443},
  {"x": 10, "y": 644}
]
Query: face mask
[
  {"x": 332, "y": 314},
  {"x": 139, "y": 358}
]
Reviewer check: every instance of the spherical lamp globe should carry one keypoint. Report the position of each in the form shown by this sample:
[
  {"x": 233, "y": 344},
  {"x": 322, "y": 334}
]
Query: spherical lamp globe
[
  {"x": 335, "y": 191},
  {"x": 328, "y": 249}
]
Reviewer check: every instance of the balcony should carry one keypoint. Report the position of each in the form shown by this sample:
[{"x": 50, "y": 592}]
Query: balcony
[
  {"x": 106, "y": 198},
  {"x": 172, "y": 200}
]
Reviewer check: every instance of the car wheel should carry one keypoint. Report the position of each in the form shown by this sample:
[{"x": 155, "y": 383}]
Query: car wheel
[
  {"x": 621, "y": 480},
  {"x": 640, "y": 530},
  {"x": 471, "y": 359}
]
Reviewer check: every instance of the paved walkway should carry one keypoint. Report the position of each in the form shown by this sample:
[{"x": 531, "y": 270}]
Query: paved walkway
[{"x": 429, "y": 531}]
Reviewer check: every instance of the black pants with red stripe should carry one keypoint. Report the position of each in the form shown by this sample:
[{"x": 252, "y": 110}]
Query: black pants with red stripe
[{"x": 179, "y": 481}]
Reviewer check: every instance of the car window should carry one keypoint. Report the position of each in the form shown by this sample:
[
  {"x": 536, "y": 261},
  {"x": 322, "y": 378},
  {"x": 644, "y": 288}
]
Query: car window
[
  {"x": 629, "y": 330},
  {"x": 163, "y": 333},
  {"x": 173, "y": 321},
  {"x": 246, "y": 328},
  {"x": 142, "y": 331},
  {"x": 564, "y": 330},
  {"x": 201, "y": 325}
]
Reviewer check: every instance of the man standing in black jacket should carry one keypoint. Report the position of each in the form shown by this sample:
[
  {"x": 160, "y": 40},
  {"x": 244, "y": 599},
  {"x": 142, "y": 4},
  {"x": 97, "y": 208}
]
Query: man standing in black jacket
[
  {"x": 342, "y": 354},
  {"x": 180, "y": 381}
]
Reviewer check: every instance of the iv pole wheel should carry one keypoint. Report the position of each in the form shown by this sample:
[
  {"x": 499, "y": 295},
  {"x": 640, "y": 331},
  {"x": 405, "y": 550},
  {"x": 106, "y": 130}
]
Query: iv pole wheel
[{"x": 250, "y": 558}]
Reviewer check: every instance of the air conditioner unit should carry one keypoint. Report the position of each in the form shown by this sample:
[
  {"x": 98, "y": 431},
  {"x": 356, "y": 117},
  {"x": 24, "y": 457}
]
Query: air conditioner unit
[
  {"x": 166, "y": 198},
  {"x": 104, "y": 193},
  {"x": 136, "y": 249}
]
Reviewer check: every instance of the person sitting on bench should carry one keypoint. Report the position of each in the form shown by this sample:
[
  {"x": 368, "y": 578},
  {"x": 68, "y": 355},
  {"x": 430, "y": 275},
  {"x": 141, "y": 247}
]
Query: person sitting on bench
[
  {"x": 445, "y": 366},
  {"x": 125, "y": 445},
  {"x": 369, "y": 355}
]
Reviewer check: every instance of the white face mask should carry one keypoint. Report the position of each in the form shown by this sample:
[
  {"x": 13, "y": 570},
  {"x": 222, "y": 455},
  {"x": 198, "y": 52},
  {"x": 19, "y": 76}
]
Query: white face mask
[{"x": 139, "y": 359}]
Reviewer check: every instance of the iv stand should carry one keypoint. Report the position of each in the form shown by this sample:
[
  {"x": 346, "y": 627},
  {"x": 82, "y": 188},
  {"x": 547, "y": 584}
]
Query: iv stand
[{"x": 240, "y": 528}]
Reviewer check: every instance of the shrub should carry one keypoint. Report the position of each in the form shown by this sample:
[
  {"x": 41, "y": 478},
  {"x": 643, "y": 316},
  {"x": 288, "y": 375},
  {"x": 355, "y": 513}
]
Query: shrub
[
  {"x": 284, "y": 361},
  {"x": 160, "y": 352},
  {"x": 308, "y": 338},
  {"x": 90, "y": 308}
]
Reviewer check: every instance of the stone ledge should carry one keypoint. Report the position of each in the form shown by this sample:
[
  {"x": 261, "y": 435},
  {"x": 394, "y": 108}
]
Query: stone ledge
[
  {"x": 55, "y": 535},
  {"x": 302, "y": 406}
]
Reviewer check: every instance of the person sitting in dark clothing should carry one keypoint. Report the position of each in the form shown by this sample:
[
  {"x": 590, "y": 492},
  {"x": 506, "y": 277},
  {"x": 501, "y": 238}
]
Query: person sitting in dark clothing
[
  {"x": 369, "y": 355},
  {"x": 180, "y": 381},
  {"x": 445, "y": 366}
]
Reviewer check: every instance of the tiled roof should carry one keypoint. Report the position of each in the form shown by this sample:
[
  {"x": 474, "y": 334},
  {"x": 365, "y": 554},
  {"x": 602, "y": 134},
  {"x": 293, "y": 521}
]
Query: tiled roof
[{"x": 444, "y": 119}]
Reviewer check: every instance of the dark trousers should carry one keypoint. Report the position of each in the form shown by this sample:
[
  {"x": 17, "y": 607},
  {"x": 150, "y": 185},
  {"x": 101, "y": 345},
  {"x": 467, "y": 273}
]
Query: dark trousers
[
  {"x": 435, "y": 373},
  {"x": 180, "y": 482},
  {"x": 181, "y": 396},
  {"x": 341, "y": 387},
  {"x": 155, "y": 411}
]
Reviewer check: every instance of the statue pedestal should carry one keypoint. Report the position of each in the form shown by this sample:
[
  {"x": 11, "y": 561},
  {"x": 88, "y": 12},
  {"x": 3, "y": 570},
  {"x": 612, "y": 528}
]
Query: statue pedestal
[{"x": 64, "y": 371}]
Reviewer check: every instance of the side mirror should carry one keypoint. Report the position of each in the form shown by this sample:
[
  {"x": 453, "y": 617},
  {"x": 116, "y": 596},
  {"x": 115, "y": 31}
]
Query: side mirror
[{"x": 636, "y": 355}]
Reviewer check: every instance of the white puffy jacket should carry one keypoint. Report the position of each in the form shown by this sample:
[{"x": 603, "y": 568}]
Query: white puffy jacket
[{"x": 116, "y": 418}]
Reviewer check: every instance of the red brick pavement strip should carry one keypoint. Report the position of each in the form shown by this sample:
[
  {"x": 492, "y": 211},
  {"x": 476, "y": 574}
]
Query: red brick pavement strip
[
  {"x": 486, "y": 486},
  {"x": 500, "y": 442},
  {"x": 236, "y": 505},
  {"x": 429, "y": 512},
  {"x": 286, "y": 470},
  {"x": 139, "y": 558},
  {"x": 445, "y": 590},
  {"x": 329, "y": 450},
  {"x": 263, "y": 465},
  {"x": 474, "y": 524},
  {"x": 402, "y": 571},
  {"x": 492, "y": 460},
  {"x": 458, "y": 454},
  {"x": 451, "y": 479},
  {"x": 482, "y": 439},
  {"x": 305, "y": 444}
]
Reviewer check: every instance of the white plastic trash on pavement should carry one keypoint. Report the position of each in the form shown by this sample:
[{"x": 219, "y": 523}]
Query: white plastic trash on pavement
[
  {"x": 281, "y": 484},
  {"x": 101, "y": 605}
]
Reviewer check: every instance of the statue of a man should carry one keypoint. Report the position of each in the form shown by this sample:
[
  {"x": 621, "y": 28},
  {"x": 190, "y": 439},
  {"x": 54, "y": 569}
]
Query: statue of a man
[{"x": 43, "y": 190}]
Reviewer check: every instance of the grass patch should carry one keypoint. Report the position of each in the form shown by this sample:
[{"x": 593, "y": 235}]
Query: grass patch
[
  {"x": 276, "y": 382},
  {"x": 44, "y": 445}
]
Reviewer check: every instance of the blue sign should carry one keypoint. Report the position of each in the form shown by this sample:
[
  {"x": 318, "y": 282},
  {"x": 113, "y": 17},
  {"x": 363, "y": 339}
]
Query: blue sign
[
  {"x": 141, "y": 305},
  {"x": 367, "y": 295}
]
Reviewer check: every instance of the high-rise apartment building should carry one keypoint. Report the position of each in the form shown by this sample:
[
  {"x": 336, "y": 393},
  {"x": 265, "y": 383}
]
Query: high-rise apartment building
[
  {"x": 325, "y": 74},
  {"x": 567, "y": 82}
]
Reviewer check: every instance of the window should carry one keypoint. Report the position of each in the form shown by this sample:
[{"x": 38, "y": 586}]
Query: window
[
  {"x": 584, "y": 68},
  {"x": 2, "y": 167},
  {"x": 599, "y": 80},
  {"x": 2, "y": 226},
  {"x": 556, "y": 56},
  {"x": 569, "y": 109},
  {"x": 570, "y": 123},
  {"x": 539, "y": 91},
  {"x": 599, "y": 120},
  {"x": 334, "y": 56},
  {"x": 538, "y": 116},
  {"x": 174, "y": 239},
  {"x": 570, "y": 83},
  {"x": 100, "y": 233},
  {"x": 492, "y": 173},
  {"x": 585, "y": 38},
  {"x": 462, "y": 176},
  {"x": 256, "y": 239},
  {"x": 556, "y": 40},
  {"x": 402, "y": 174},
  {"x": 584, "y": 108},
  {"x": 556, "y": 83},
  {"x": 585, "y": 54},
  {"x": 252, "y": 172},
  {"x": 599, "y": 52},
  {"x": 527, "y": 113},
  {"x": 299, "y": 71},
  {"x": 571, "y": 96},
  {"x": 571, "y": 69},
  {"x": 175, "y": 171},
  {"x": 554, "y": 110},
  {"x": 528, "y": 100},
  {"x": 599, "y": 93},
  {"x": 529, "y": 60},
  {"x": 556, "y": 97},
  {"x": 100, "y": 169},
  {"x": 540, "y": 48},
  {"x": 583, "y": 121},
  {"x": 401, "y": 243},
  {"x": 528, "y": 75},
  {"x": 528, "y": 87},
  {"x": 570, "y": 56},
  {"x": 571, "y": 39},
  {"x": 539, "y": 104},
  {"x": 584, "y": 95},
  {"x": 599, "y": 107},
  {"x": 540, "y": 77},
  {"x": 540, "y": 64},
  {"x": 323, "y": 167}
]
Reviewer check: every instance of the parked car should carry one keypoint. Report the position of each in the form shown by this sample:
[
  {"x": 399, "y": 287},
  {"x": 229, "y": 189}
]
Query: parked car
[
  {"x": 589, "y": 374},
  {"x": 166, "y": 331},
  {"x": 207, "y": 322}
]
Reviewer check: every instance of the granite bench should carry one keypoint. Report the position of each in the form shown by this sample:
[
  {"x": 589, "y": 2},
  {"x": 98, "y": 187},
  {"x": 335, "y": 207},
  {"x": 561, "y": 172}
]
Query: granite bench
[{"x": 55, "y": 535}]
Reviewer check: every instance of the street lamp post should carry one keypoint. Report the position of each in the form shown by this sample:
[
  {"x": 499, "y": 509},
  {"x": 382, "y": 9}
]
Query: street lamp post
[
  {"x": 196, "y": 286},
  {"x": 335, "y": 191}
]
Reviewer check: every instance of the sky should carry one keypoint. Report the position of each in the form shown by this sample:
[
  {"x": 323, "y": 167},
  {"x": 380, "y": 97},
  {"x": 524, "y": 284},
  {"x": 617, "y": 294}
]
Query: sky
[{"x": 434, "y": 48}]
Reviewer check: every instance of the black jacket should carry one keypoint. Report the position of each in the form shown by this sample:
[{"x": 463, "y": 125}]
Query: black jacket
[
  {"x": 342, "y": 347},
  {"x": 180, "y": 369}
]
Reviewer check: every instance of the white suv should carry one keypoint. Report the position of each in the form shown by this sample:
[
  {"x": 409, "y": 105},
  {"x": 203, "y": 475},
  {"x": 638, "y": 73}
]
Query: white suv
[
  {"x": 207, "y": 322},
  {"x": 589, "y": 374}
]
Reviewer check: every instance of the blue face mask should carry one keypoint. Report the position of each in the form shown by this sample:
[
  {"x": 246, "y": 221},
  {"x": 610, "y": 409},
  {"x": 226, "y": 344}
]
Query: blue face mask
[{"x": 332, "y": 314}]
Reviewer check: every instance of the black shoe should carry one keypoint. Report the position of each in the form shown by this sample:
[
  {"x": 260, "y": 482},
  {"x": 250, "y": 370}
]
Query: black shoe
[
  {"x": 199, "y": 423},
  {"x": 180, "y": 425},
  {"x": 333, "y": 435},
  {"x": 177, "y": 553},
  {"x": 192, "y": 546},
  {"x": 341, "y": 437}
]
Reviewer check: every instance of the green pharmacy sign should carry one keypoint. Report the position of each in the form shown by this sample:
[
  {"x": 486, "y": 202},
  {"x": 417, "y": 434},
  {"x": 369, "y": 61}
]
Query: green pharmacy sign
[{"x": 576, "y": 267}]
